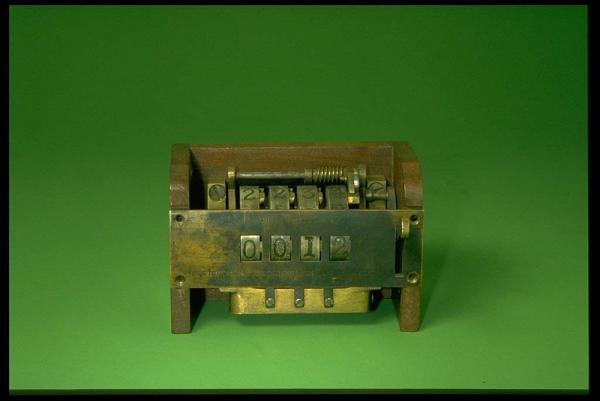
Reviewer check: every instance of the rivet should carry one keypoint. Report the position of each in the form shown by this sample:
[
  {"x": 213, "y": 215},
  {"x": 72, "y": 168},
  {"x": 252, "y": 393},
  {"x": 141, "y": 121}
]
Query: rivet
[{"x": 413, "y": 278}]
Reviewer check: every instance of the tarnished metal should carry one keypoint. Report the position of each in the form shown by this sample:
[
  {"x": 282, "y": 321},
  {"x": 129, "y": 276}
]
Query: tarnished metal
[
  {"x": 376, "y": 193},
  {"x": 328, "y": 297},
  {"x": 299, "y": 297},
  {"x": 308, "y": 197},
  {"x": 216, "y": 195},
  {"x": 269, "y": 176},
  {"x": 270, "y": 297},
  {"x": 343, "y": 300},
  {"x": 353, "y": 185},
  {"x": 231, "y": 190},
  {"x": 336, "y": 197},
  {"x": 250, "y": 248},
  {"x": 281, "y": 247},
  {"x": 404, "y": 227},
  {"x": 211, "y": 258},
  {"x": 391, "y": 198},
  {"x": 274, "y": 231},
  {"x": 310, "y": 248},
  {"x": 340, "y": 247},
  {"x": 279, "y": 197},
  {"x": 249, "y": 197},
  {"x": 353, "y": 177}
]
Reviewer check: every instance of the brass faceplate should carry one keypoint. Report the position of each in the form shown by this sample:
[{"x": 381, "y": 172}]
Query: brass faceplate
[
  {"x": 274, "y": 230},
  {"x": 246, "y": 300},
  {"x": 207, "y": 248}
]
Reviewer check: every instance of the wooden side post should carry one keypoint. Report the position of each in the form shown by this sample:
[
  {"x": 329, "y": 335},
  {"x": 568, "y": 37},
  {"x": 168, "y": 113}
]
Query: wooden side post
[
  {"x": 409, "y": 186},
  {"x": 179, "y": 199},
  {"x": 181, "y": 317},
  {"x": 410, "y": 308}
]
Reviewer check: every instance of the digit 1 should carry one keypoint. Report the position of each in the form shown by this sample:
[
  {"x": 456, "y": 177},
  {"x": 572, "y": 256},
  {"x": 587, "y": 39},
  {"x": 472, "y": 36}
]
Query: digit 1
[{"x": 310, "y": 242}]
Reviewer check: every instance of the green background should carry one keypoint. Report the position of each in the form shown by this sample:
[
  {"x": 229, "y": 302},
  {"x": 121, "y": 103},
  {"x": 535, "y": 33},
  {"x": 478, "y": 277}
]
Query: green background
[{"x": 492, "y": 99}]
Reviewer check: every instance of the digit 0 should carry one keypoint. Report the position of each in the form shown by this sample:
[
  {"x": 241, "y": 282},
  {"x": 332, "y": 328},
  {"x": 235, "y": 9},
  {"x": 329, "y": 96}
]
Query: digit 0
[
  {"x": 279, "y": 247},
  {"x": 249, "y": 249}
]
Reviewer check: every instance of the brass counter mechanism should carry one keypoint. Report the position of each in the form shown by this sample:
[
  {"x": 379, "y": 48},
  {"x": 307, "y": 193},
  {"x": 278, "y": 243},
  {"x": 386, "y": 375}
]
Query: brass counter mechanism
[
  {"x": 235, "y": 233},
  {"x": 353, "y": 177}
]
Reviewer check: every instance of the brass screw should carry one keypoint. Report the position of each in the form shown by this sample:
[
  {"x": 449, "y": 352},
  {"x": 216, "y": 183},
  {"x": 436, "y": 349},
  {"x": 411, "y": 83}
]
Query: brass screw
[
  {"x": 404, "y": 228},
  {"x": 261, "y": 195},
  {"x": 413, "y": 278},
  {"x": 217, "y": 192},
  {"x": 231, "y": 172}
]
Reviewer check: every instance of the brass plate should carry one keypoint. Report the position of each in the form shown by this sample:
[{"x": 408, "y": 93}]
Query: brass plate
[
  {"x": 244, "y": 301},
  {"x": 206, "y": 246}
]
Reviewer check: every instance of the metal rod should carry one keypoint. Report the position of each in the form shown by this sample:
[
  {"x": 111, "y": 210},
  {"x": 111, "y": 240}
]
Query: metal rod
[
  {"x": 269, "y": 176},
  {"x": 319, "y": 175}
]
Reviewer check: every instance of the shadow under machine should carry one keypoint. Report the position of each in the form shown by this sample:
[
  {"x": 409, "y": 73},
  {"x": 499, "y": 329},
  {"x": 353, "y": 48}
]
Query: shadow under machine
[{"x": 299, "y": 228}]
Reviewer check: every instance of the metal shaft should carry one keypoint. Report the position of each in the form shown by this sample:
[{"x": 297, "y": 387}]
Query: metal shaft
[
  {"x": 320, "y": 175},
  {"x": 269, "y": 176}
]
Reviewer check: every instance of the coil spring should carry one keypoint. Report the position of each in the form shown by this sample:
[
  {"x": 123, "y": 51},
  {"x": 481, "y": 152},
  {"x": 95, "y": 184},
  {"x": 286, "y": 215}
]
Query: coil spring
[{"x": 328, "y": 175}]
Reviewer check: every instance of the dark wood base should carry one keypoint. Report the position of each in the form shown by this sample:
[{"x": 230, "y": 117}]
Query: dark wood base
[
  {"x": 181, "y": 316},
  {"x": 410, "y": 308}
]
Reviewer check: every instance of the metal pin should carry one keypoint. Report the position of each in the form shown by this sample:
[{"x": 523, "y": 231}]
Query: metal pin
[
  {"x": 299, "y": 297},
  {"x": 328, "y": 297},
  {"x": 270, "y": 297}
]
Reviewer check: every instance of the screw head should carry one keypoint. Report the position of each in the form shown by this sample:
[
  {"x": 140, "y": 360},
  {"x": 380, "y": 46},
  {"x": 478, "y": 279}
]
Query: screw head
[
  {"x": 270, "y": 302},
  {"x": 261, "y": 195},
  {"x": 328, "y": 302},
  {"x": 216, "y": 192},
  {"x": 299, "y": 303},
  {"x": 413, "y": 278}
]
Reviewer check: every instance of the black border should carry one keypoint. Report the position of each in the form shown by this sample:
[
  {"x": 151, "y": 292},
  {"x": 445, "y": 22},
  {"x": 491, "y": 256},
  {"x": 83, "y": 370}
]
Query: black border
[{"x": 305, "y": 391}]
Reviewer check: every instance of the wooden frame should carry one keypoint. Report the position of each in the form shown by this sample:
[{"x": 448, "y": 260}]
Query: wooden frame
[{"x": 192, "y": 166}]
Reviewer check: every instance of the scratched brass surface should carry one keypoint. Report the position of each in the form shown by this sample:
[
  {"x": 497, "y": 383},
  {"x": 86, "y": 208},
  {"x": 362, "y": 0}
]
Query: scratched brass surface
[
  {"x": 205, "y": 248},
  {"x": 274, "y": 251},
  {"x": 252, "y": 301}
]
